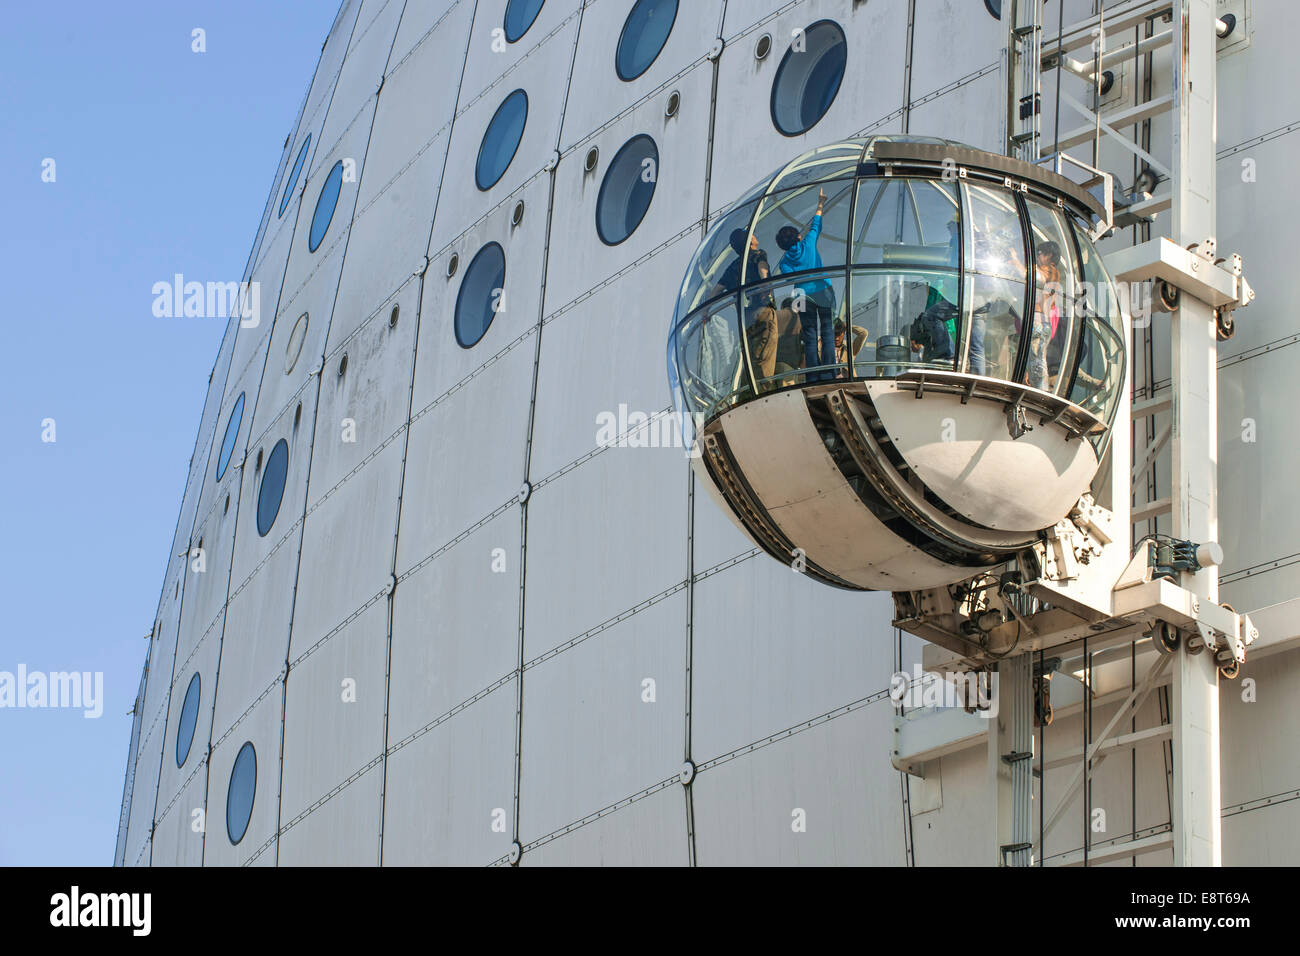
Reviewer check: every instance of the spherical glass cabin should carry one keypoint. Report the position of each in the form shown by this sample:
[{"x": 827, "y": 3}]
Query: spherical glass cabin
[{"x": 911, "y": 385}]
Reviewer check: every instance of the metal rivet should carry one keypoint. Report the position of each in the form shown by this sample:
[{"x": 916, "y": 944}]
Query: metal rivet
[{"x": 686, "y": 774}]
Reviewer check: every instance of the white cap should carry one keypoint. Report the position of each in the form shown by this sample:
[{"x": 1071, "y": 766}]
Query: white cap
[{"x": 1209, "y": 555}]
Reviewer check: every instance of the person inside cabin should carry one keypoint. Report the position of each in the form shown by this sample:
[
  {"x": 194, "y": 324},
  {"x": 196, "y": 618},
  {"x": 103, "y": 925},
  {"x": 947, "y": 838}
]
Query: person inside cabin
[
  {"x": 931, "y": 340},
  {"x": 841, "y": 350},
  {"x": 763, "y": 320},
  {"x": 816, "y": 300},
  {"x": 1047, "y": 312}
]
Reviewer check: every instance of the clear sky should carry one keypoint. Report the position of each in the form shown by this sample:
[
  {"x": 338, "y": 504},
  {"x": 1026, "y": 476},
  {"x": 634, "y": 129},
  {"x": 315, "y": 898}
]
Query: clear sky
[{"x": 163, "y": 161}]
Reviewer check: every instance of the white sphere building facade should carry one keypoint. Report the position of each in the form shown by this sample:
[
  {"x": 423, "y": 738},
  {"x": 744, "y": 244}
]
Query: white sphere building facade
[{"x": 447, "y": 613}]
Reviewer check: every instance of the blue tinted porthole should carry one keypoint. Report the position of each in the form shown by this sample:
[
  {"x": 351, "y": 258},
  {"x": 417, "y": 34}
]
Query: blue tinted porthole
[
  {"x": 292, "y": 181},
  {"x": 480, "y": 295},
  {"x": 808, "y": 80},
  {"x": 645, "y": 32},
  {"x": 189, "y": 716},
  {"x": 520, "y": 15},
  {"x": 240, "y": 792},
  {"x": 994, "y": 7},
  {"x": 232, "y": 433},
  {"x": 501, "y": 140},
  {"x": 272, "y": 491},
  {"x": 627, "y": 189},
  {"x": 329, "y": 198}
]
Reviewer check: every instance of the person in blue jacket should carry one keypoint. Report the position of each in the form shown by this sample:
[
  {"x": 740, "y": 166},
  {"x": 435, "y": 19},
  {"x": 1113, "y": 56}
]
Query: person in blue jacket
[{"x": 818, "y": 299}]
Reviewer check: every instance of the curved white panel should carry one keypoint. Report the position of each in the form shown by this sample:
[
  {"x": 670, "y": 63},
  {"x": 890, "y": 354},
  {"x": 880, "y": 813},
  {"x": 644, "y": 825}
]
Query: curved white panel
[{"x": 1023, "y": 484}]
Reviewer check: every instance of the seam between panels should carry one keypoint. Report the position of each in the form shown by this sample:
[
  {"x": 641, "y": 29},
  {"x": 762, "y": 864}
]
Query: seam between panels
[
  {"x": 627, "y": 111},
  {"x": 165, "y": 712},
  {"x": 305, "y": 121},
  {"x": 500, "y": 682},
  {"x": 707, "y": 765},
  {"x": 760, "y": 23},
  {"x": 234, "y": 537},
  {"x": 910, "y": 43},
  {"x": 427, "y": 559},
  {"x": 325, "y": 497},
  {"x": 406, "y": 428},
  {"x": 325, "y": 150},
  {"x": 233, "y": 325},
  {"x": 392, "y": 589},
  {"x": 904, "y": 784},
  {"x": 128, "y": 783},
  {"x": 420, "y": 42},
  {"x": 405, "y": 431},
  {"x": 353, "y": 37},
  {"x": 559, "y": 27},
  {"x": 311, "y": 451},
  {"x": 1257, "y": 140},
  {"x": 562, "y": 310},
  {"x": 932, "y": 95},
  {"x": 526, "y": 490},
  {"x": 689, "y": 690}
]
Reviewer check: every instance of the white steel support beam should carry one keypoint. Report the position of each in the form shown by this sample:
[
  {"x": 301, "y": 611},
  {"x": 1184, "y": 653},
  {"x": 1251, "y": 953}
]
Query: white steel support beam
[
  {"x": 1094, "y": 756},
  {"x": 1194, "y": 442},
  {"x": 1010, "y": 761},
  {"x": 1117, "y": 851}
]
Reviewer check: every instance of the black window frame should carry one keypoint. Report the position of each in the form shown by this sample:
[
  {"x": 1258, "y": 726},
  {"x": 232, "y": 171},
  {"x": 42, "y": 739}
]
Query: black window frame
[
  {"x": 780, "y": 71},
  {"x": 478, "y": 161},
  {"x": 618, "y": 47},
  {"x": 460, "y": 294},
  {"x": 604, "y": 184}
]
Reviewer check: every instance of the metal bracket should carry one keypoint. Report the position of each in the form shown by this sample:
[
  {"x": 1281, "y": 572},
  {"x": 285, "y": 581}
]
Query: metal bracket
[{"x": 1194, "y": 271}]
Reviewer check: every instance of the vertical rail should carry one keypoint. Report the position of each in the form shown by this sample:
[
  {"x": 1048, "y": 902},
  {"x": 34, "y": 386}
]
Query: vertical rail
[{"x": 1194, "y": 442}]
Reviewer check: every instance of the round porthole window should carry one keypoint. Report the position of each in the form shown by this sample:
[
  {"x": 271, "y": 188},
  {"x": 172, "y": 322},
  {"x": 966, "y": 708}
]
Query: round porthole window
[
  {"x": 294, "y": 173},
  {"x": 994, "y": 7},
  {"x": 645, "y": 31},
  {"x": 293, "y": 348},
  {"x": 673, "y": 105},
  {"x": 232, "y": 433},
  {"x": 809, "y": 78},
  {"x": 392, "y": 316},
  {"x": 240, "y": 792},
  {"x": 520, "y": 15},
  {"x": 763, "y": 47},
  {"x": 480, "y": 295},
  {"x": 189, "y": 716},
  {"x": 501, "y": 140},
  {"x": 272, "y": 491},
  {"x": 329, "y": 198},
  {"x": 627, "y": 189}
]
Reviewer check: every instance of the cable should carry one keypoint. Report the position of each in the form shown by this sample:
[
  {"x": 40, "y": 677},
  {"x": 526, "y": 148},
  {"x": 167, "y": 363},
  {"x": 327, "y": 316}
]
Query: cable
[{"x": 1060, "y": 58}]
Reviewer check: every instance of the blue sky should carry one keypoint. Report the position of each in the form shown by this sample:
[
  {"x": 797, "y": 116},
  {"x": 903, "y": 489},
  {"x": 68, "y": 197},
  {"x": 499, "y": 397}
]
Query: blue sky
[{"x": 163, "y": 162}]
